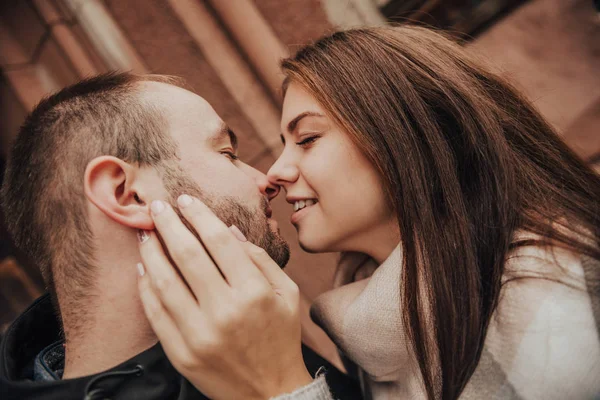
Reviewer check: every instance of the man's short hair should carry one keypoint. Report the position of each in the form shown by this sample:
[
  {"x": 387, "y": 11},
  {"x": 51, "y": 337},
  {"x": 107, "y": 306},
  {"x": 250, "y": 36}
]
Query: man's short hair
[{"x": 43, "y": 191}]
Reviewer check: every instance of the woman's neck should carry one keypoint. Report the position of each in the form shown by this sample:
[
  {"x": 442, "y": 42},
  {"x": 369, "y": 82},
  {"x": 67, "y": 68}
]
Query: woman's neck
[
  {"x": 380, "y": 243},
  {"x": 382, "y": 252}
]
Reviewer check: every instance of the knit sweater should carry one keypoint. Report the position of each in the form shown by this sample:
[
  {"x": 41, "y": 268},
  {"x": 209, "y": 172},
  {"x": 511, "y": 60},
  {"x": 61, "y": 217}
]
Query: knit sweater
[{"x": 542, "y": 342}]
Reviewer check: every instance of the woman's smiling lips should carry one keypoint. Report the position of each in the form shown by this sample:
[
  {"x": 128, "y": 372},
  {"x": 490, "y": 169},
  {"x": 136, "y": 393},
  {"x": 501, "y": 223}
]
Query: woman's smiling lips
[{"x": 301, "y": 206}]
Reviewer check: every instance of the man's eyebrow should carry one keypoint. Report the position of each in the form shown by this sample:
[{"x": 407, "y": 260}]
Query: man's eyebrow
[
  {"x": 226, "y": 131},
  {"x": 293, "y": 123}
]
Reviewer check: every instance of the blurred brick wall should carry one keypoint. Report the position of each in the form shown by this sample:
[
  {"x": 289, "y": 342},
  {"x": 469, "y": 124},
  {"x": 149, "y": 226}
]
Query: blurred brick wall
[
  {"x": 550, "y": 49},
  {"x": 296, "y": 22}
]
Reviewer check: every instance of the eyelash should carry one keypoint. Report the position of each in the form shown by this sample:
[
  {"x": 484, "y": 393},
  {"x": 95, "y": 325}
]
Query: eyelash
[
  {"x": 308, "y": 141},
  {"x": 230, "y": 155}
]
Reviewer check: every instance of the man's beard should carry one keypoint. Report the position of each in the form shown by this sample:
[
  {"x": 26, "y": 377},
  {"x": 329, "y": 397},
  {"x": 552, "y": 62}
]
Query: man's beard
[{"x": 253, "y": 224}]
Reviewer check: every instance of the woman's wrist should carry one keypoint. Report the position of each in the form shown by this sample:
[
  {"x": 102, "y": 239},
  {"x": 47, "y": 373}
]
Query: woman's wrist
[
  {"x": 315, "y": 390},
  {"x": 291, "y": 383}
]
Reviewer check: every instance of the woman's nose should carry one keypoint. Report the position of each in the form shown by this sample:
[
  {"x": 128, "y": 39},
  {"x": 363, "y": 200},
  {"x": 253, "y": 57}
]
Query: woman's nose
[{"x": 282, "y": 173}]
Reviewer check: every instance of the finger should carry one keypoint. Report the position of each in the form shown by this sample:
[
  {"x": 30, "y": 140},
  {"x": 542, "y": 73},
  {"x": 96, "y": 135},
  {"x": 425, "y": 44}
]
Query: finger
[
  {"x": 220, "y": 242},
  {"x": 272, "y": 272},
  {"x": 168, "y": 286},
  {"x": 192, "y": 259},
  {"x": 175, "y": 337},
  {"x": 161, "y": 322}
]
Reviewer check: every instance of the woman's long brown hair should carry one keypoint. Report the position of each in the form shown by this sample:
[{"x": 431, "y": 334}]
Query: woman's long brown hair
[{"x": 466, "y": 162}]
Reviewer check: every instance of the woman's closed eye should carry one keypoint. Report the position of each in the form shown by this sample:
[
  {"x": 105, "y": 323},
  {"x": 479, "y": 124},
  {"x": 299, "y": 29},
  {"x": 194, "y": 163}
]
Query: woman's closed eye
[{"x": 306, "y": 142}]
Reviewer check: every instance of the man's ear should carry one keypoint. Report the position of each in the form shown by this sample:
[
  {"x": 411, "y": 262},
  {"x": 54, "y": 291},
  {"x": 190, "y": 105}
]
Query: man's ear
[{"x": 113, "y": 186}]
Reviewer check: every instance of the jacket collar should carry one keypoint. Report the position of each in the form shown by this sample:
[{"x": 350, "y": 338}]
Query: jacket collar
[{"x": 149, "y": 375}]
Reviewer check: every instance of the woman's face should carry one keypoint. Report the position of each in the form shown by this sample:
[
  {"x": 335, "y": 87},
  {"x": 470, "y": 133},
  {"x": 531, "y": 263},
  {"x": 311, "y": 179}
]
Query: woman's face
[{"x": 338, "y": 199}]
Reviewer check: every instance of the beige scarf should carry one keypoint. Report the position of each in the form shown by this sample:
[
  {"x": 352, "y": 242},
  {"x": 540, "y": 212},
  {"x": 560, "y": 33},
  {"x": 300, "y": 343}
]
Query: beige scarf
[{"x": 542, "y": 343}]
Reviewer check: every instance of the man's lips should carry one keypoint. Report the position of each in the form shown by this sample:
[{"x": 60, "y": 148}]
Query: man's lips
[{"x": 267, "y": 208}]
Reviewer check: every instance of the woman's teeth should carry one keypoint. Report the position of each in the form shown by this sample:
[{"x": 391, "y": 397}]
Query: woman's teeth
[{"x": 300, "y": 204}]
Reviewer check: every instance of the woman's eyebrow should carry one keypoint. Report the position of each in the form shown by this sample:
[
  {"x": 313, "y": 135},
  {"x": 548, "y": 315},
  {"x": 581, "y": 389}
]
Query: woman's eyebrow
[{"x": 293, "y": 123}]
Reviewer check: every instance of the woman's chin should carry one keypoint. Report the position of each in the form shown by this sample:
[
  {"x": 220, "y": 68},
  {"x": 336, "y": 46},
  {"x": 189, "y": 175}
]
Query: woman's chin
[{"x": 311, "y": 244}]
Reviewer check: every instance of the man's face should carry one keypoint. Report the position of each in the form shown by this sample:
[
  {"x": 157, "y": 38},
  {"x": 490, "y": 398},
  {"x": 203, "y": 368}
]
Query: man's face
[{"x": 209, "y": 170}]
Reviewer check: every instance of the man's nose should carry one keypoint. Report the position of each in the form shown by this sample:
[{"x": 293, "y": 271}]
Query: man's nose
[{"x": 268, "y": 189}]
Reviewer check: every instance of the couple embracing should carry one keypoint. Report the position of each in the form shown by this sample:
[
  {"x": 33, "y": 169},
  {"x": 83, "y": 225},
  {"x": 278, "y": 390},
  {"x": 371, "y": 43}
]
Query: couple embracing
[{"x": 469, "y": 235}]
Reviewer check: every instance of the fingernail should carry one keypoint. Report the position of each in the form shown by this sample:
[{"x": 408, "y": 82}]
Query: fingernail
[
  {"x": 140, "y": 268},
  {"x": 237, "y": 233},
  {"x": 184, "y": 200},
  {"x": 157, "y": 207},
  {"x": 142, "y": 235}
]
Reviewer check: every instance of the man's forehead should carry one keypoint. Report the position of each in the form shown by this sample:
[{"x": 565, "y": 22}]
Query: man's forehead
[{"x": 186, "y": 112}]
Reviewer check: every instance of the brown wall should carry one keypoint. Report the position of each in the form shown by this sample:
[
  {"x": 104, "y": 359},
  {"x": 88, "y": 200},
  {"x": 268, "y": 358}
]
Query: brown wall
[{"x": 550, "y": 49}]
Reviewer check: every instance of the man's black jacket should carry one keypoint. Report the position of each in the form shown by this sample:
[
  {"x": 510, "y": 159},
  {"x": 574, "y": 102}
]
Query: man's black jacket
[{"x": 147, "y": 376}]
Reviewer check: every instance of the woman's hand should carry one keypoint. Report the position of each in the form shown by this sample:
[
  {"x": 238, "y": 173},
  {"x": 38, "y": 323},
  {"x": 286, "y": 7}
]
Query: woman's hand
[{"x": 234, "y": 330}]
